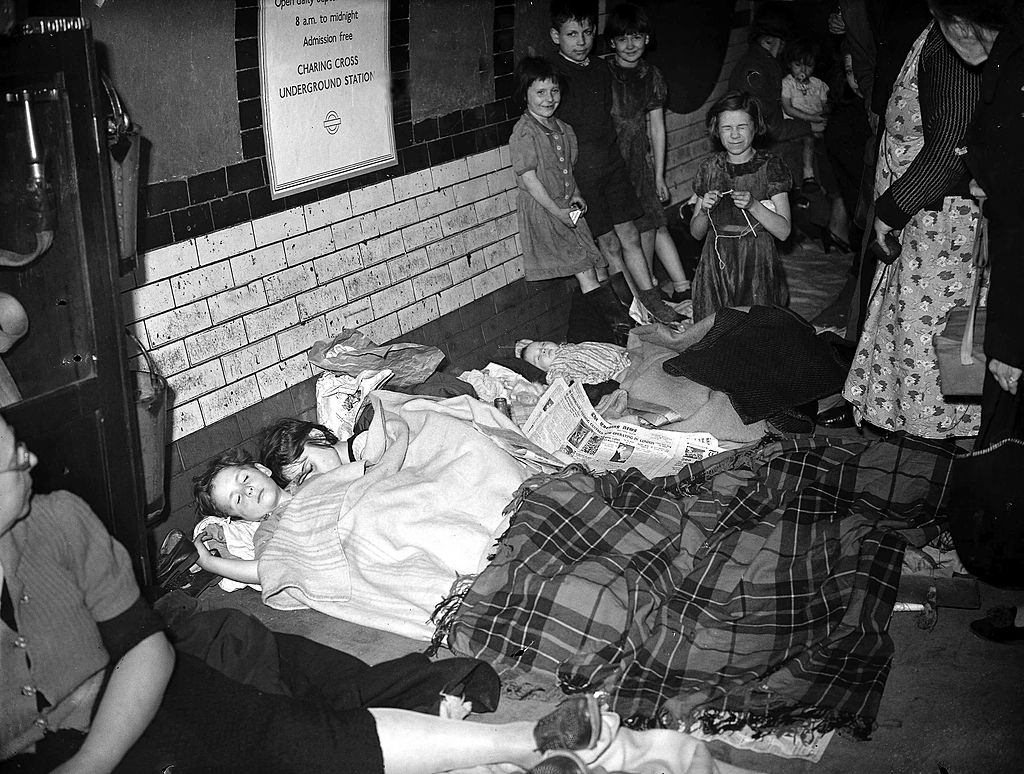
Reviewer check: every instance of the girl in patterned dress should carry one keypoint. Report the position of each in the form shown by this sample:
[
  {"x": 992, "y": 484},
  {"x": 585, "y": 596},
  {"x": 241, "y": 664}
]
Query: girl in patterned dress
[{"x": 743, "y": 210}]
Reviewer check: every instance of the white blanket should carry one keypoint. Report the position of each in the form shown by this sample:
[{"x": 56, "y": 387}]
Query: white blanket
[{"x": 382, "y": 549}]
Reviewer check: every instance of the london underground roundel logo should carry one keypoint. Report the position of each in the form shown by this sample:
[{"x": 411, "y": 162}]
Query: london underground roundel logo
[{"x": 332, "y": 123}]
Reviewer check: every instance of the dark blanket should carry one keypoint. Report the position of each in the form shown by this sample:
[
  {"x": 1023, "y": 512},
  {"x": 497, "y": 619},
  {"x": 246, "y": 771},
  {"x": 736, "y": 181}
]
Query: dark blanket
[
  {"x": 753, "y": 588},
  {"x": 768, "y": 360}
]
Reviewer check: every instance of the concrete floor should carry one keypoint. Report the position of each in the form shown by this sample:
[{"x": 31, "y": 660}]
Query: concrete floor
[{"x": 954, "y": 704}]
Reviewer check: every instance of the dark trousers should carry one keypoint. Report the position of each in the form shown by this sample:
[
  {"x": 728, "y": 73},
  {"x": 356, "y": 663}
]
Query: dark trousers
[
  {"x": 243, "y": 698},
  {"x": 1002, "y": 414},
  {"x": 210, "y": 723}
]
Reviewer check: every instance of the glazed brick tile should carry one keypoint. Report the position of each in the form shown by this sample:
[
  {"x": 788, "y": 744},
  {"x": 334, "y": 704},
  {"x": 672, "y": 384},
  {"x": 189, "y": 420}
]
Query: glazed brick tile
[
  {"x": 425, "y": 130},
  {"x": 248, "y": 83},
  {"x": 192, "y": 221},
  {"x": 441, "y": 150},
  {"x": 147, "y": 301},
  {"x": 338, "y": 264},
  {"x": 229, "y": 400},
  {"x": 216, "y": 341},
  {"x": 164, "y": 197},
  {"x": 283, "y": 375},
  {"x": 202, "y": 282},
  {"x": 250, "y": 359},
  {"x": 328, "y": 211},
  {"x": 321, "y": 299},
  {"x": 225, "y": 243},
  {"x": 414, "y": 158},
  {"x": 207, "y": 186},
  {"x": 252, "y": 143},
  {"x": 246, "y": 175},
  {"x": 177, "y": 323},
  {"x": 271, "y": 319},
  {"x": 247, "y": 53},
  {"x": 230, "y": 211},
  {"x": 190, "y": 384},
  {"x": 155, "y": 232},
  {"x": 258, "y": 263},
  {"x": 246, "y": 21}
]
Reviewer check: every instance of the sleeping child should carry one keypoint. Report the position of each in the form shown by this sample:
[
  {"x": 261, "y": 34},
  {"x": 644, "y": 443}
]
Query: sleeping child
[{"x": 591, "y": 362}]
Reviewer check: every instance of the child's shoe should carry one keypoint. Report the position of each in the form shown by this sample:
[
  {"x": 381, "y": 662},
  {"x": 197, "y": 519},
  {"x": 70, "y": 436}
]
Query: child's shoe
[
  {"x": 575, "y": 724},
  {"x": 678, "y": 296},
  {"x": 663, "y": 313}
]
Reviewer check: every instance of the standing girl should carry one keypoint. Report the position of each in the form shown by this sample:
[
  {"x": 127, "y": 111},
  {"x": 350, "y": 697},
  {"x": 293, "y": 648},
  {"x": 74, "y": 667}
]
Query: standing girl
[
  {"x": 556, "y": 240},
  {"x": 638, "y": 112},
  {"x": 743, "y": 209}
]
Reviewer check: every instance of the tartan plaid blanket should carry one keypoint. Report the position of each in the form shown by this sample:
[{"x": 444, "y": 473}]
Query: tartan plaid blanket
[{"x": 754, "y": 588}]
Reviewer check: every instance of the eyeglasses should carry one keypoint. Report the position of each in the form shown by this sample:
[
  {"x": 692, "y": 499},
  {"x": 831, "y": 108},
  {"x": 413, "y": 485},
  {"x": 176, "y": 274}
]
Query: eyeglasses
[{"x": 22, "y": 459}]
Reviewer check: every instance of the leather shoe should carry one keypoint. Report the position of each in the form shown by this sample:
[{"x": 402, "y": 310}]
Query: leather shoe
[
  {"x": 998, "y": 626},
  {"x": 837, "y": 416},
  {"x": 177, "y": 555}
]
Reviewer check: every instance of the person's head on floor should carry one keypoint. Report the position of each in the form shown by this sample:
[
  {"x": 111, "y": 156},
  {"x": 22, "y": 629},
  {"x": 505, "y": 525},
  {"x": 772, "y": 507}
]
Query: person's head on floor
[
  {"x": 538, "y": 88},
  {"x": 294, "y": 449},
  {"x": 971, "y": 26},
  {"x": 770, "y": 30},
  {"x": 16, "y": 463},
  {"x": 573, "y": 27},
  {"x": 235, "y": 486},
  {"x": 735, "y": 120},
  {"x": 539, "y": 354},
  {"x": 801, "y": 57},
  {"x": 628, "y": 31}
]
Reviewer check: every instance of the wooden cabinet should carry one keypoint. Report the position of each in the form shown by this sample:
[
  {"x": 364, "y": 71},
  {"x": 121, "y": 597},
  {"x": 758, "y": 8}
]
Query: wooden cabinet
[{"x": 76, "y": 411}]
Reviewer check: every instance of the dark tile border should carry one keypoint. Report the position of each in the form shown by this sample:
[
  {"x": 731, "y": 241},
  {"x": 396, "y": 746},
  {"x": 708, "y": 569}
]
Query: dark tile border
[{"x": 176, "y": 210}]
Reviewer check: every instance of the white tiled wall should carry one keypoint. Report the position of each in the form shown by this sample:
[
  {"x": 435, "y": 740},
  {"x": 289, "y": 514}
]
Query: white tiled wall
[{"x": 228, "y": 317}]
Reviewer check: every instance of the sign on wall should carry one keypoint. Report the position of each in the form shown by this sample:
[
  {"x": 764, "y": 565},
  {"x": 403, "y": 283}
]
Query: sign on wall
[{"x": 326, "y": 91}]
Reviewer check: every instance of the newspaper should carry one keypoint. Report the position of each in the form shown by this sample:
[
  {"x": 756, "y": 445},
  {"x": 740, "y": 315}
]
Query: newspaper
[{"x": 565, "y": 423}]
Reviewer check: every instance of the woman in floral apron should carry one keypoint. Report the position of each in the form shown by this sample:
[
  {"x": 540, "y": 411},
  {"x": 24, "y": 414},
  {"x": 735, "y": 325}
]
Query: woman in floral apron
[{"x": 922, "y": 193}]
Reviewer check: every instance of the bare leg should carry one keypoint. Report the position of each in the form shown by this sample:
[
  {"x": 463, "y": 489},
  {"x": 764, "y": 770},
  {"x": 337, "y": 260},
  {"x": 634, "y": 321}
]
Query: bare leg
[
  {"x": 839, "y": 221},
  {"x": 413, "y": 743},
  {"x": 633, "y": 255},
  {"x": 648, "y": 245},
  {"x": 610, "y": 247},
  {"x": 636, "y": 265},
  {"x": 808, "y": 156},
  {"x": 669, "y": 257},
  {"x": 588, "y": 280}
]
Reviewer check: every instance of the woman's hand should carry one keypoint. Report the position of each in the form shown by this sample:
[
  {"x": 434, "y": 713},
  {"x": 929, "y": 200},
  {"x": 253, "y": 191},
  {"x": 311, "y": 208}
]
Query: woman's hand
[
  {"x": 881, "y": 229},
  {"x": 1006, "y": 376},
  {"x": 976, "y": 190},
  {"x": 743, "y": 199},
  {"x": 709, "y": 200},
  {"x": 578, "y": 202}
]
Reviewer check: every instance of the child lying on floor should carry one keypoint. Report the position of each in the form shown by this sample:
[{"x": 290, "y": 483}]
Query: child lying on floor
[
  {"x": 590, "y": 362},
  {"x": 291, "y": 450}
]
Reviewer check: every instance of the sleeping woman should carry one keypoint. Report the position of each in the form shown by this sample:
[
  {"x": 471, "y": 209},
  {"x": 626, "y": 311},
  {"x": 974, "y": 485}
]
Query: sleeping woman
[{"x": 380, "y": 540}]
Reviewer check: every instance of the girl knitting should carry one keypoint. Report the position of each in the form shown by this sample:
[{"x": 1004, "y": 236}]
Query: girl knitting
[
  {"x": 556, "y": 240},
  {"x": 743, "y": 209}
]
